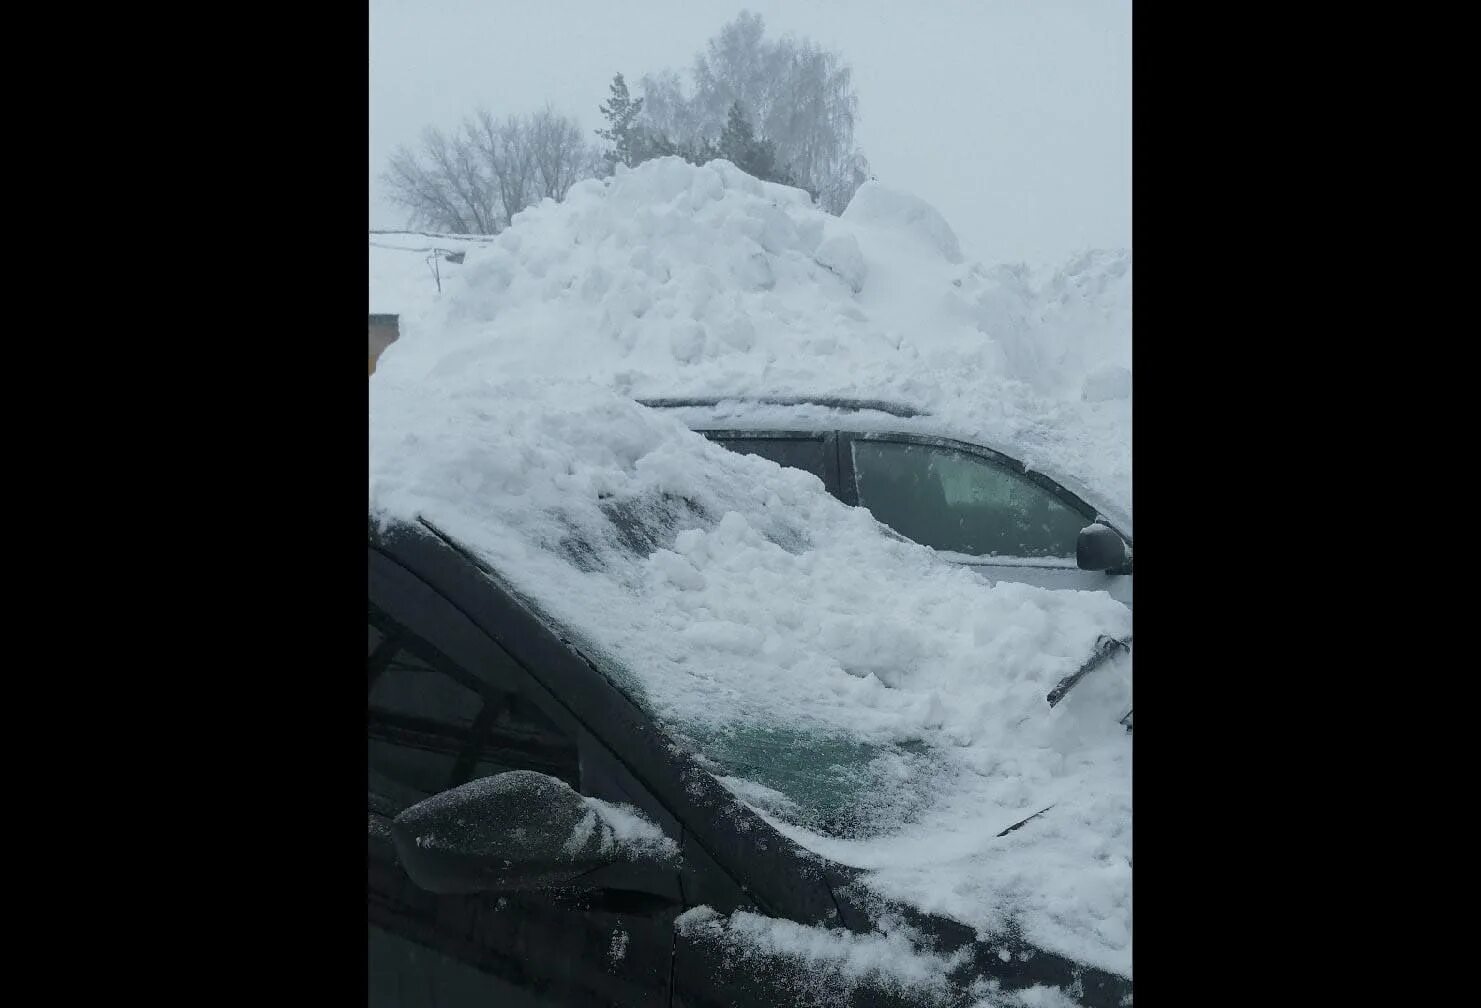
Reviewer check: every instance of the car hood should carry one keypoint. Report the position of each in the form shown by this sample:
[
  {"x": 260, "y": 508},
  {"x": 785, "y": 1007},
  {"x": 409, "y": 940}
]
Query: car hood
[{"x": 990, "y": 863}]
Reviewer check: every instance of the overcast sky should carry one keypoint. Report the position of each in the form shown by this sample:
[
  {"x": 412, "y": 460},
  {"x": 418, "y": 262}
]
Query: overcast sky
[{"x": 1012, "y": 117}]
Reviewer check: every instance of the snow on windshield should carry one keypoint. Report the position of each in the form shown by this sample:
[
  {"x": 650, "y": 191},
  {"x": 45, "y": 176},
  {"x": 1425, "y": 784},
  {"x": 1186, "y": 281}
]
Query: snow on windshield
[{"x": 884, "y": 708}]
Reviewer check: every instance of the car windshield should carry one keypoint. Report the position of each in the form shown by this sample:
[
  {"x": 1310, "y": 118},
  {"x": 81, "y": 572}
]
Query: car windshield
[
  {"x": 837, "y": 786},
  {"x": 880, "y": 706}
]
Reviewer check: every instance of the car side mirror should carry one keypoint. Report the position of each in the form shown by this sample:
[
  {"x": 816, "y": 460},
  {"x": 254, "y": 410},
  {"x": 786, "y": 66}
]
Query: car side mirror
[
  {"x": 1100, "y": 548},
  {"x": 524, "y": 830}
]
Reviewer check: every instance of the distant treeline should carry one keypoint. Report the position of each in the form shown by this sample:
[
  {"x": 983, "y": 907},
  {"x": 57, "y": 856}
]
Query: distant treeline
[{"x": 783, "y": 111}]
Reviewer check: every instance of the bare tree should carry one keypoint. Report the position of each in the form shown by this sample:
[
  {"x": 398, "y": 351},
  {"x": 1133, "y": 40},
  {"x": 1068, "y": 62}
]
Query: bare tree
[
  {"x": 505, "y": 148},
  {"x": 667, "y": 110},
  {"x": 739, "y": 65},
  {"x": 561, "y": 154},
  {"x": 798, "y": 95},
  {"x": 446, "y": 187},
  {"x": 475, "y": 180}
]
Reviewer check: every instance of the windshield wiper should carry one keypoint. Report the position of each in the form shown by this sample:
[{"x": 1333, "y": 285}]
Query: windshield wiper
[
  {"x": 1105, "y": 646},
  {"x": 1020, "y": 822}
]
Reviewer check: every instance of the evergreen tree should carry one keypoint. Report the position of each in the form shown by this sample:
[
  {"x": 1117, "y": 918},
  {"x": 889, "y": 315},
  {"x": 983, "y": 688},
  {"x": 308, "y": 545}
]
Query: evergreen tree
[
  {"x": 633, "y": 142},
  {"x": 796, "y": 94},
  {"x": 738, "y": 139},
  {"x": 751, "y": 154},
  {"x": 620, "y": 111}
]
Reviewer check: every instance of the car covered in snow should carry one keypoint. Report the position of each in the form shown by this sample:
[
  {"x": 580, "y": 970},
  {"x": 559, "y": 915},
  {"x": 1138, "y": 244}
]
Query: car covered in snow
[
  {"x": 653, "y": 722},
  {"x": 976, "y": 505},
  {"x": 535, "y": 837}
]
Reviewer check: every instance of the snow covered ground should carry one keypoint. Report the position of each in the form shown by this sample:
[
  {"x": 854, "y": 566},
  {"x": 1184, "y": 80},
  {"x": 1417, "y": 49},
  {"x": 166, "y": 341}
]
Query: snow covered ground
[
  {"x": 401, "y": 279},
  {"x": 883, "y": 708}
]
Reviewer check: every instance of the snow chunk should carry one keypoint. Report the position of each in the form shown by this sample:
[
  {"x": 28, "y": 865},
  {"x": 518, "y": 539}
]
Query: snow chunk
[
  {"x": 630, "y": 832},
  {"x": 625, "y": 831},
  {"x": 1037, "y": 996},
  {"x": 879, "y": 206},
  {"x": 841, "y": 254},
  {"x": 834, "y": 960}
]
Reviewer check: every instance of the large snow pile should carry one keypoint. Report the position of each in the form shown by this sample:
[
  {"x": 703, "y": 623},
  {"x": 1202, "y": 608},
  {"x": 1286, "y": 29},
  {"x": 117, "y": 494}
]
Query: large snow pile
[
  {"x": 676, "y": 280},
  {"x": 884, "y": 708}
]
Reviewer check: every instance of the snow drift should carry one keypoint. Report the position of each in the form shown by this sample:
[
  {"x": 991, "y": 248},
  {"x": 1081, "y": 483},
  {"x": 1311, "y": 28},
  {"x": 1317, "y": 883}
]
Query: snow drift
[{"x": 676, "y": 280}]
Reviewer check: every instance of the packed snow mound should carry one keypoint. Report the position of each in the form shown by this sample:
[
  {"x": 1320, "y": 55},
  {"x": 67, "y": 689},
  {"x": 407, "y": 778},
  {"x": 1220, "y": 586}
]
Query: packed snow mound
[
  {"x": 1109, "y": 381},
  {"x": 880, "y": 207},
  {"x": 841, "y": 254},
  {"x": 677, "y": 280},
  {"x": 889, "y": 710}
]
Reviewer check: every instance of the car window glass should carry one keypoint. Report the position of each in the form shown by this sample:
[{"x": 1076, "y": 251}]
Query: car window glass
[
  {"x": 519, "y": 737},
  {"x": 432, "y": 726},
  {"x": 420, "y": 723},
  {"x": 951, "y": 500},
  {"x": 809, "y": 454}
]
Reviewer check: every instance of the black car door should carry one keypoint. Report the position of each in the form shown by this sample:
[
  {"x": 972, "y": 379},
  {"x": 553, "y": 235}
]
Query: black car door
[{"x": 448, "y": 705}]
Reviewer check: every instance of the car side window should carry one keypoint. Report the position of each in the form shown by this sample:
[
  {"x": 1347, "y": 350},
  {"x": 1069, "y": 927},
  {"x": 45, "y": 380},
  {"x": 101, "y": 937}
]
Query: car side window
[
  {"x": 951, "y": 500},
  {"x": 433, "y": 725},
  {"x": 800, "y": 452}
]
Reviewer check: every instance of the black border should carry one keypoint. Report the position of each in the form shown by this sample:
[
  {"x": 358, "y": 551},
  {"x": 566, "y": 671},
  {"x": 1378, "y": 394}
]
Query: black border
[{"x": 233, "y": 439}]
